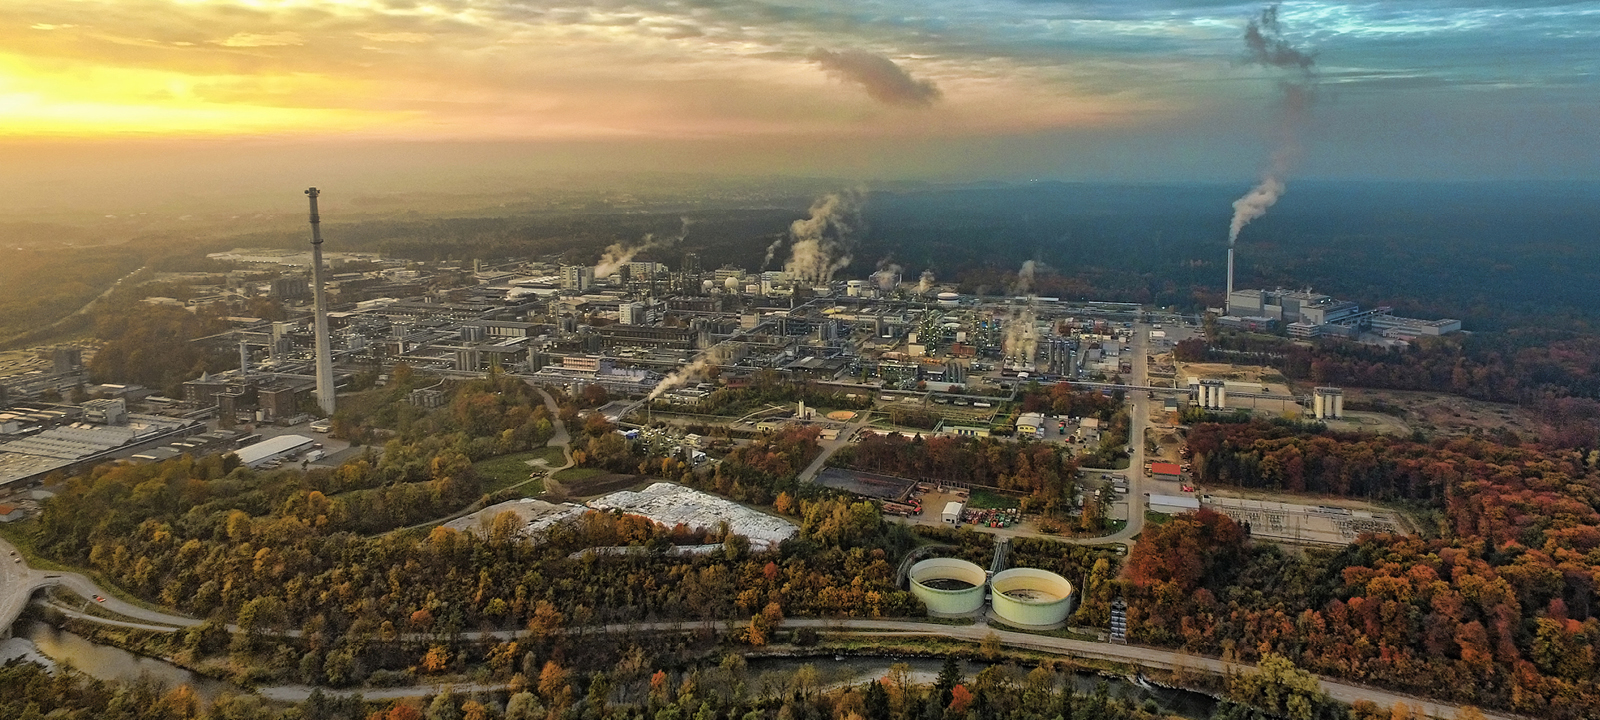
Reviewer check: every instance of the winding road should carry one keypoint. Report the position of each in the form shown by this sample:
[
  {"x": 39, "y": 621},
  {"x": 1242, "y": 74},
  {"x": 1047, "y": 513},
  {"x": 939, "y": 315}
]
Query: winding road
[{"x": 18, "y": 582}]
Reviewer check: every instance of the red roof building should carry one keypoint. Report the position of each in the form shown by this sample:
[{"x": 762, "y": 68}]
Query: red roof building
[{"x": 1166, "y": 470}]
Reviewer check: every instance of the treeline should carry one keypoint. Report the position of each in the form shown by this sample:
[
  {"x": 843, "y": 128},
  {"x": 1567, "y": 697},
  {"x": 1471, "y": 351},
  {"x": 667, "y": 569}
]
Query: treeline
[
  {"x": 1498, "y": 609},
  {"x": 39, "y": 287},
  {"x": 1499, "y": 367},
  {"x": 1060, "y": 399},
  {"x": 1045, "y": 473},
  {"x": 150, "y": 345},
  {"x": 631, "y": 691},
  {"x": 768, "y": 388},
  {"x": 767, "y": 467},
  {"x": 485, "y": 417},
  {"x": 294, "y": 566}
]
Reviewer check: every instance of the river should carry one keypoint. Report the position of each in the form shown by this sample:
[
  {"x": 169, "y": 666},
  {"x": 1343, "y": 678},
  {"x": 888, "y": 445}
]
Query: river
[{"x": 103, "y": 661}]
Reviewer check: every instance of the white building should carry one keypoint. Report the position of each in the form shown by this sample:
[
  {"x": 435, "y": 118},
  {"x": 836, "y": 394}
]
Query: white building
[{"x": 277, "y": 448}]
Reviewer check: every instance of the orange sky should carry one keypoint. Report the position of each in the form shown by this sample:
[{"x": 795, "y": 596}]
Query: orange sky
[{"x": 138, "y": 93}]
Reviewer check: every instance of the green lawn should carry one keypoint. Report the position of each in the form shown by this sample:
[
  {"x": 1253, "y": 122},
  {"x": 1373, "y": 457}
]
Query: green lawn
[
  {"x": 987, "y": 500},
  {"x": 578, "y": 473},
  {"x": 507, "y": 470},
  {"x": 1154, "y": 518}
]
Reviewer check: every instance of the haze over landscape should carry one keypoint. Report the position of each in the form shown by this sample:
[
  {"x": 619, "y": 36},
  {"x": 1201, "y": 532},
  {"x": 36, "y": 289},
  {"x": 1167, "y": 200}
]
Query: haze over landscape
[
  {"x": 104, "y": 100},
  {"x": 799, "y": 360}
]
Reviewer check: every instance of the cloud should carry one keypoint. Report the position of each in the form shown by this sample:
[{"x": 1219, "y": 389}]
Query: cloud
[
  {"x": 396, "y": 37},
  {"x": 251, "y": 40},
  {"x": 883, "y": 80}
]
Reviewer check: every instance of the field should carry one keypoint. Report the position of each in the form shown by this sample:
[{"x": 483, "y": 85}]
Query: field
[
  {"x": 507, "y": 470},
  {"x": 987, "y": 500},
  {"x": 1439, "y": 412}
]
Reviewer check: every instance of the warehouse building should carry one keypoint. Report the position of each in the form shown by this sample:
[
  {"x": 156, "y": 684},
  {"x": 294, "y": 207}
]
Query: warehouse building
[{"x": 278, "y": 448}]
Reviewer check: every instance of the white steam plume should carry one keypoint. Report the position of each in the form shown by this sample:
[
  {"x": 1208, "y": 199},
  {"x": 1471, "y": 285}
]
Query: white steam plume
[
  {"x": 715, "y": 355},
  {"x": 772, "y": 252},
  {"x": 1267, "y": 47},
  {"x": 1254, "y": 204},
  {"x": 821, "y": 241},
  {"x": 1021, "y": 337},
  {"x": 887, "y": 276},
  {"x": 925, "y": 283},
  {"x": 618, "y": 254}
]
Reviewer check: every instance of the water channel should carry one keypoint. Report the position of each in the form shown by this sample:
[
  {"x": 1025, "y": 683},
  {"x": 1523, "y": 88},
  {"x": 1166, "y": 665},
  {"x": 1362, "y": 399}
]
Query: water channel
[{"x": 32, "y": 638}]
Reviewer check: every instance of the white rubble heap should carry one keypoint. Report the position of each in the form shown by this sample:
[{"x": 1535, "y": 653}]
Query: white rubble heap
[
  {"x": 672, "y": 505},
  {"x": 536, "y": 516}
]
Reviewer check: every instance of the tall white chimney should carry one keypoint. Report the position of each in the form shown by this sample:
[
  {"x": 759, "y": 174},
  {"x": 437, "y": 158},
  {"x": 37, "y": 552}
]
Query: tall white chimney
[
  {"x": 1230, "y": 275},
  {"x": 325, "y": 390}
]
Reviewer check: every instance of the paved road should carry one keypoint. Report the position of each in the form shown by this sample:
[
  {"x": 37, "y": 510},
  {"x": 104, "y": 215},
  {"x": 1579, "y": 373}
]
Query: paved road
[
  {"x": 18, "y": 582},
  {"x": 561, "y": 437},
  {"x": 829, "y": 447}
]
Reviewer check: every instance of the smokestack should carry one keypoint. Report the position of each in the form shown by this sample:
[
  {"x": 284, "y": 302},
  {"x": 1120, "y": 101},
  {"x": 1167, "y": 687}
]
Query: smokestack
[
  {"x": 325, "y": 391},
  {"x": 1230, "y": 275},
  {"x": 244, "y": 359}
]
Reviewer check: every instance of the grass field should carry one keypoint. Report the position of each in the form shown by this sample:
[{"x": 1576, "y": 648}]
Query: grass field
[
  {"x": 507, "y": 470},
  {"x": 578, "y": 473},
  {"x": 987, "y": 500}
]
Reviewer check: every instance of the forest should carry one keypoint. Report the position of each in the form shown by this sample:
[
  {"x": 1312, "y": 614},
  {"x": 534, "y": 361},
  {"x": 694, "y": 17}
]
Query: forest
[
  {"x": 727, "y": 690},
  {"x": 1492, "y": 605}
]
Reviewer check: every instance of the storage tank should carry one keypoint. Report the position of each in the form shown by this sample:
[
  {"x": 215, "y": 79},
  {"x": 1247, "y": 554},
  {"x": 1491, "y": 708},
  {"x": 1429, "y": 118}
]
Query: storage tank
[
  {"x": 948, "y": 586},
  {"x": 949, "y": 299},
  {"x": 1031, "y": 598}
]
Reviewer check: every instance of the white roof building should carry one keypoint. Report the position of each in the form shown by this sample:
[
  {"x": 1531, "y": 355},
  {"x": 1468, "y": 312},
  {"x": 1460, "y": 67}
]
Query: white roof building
[{"x": 273, "y": 448}]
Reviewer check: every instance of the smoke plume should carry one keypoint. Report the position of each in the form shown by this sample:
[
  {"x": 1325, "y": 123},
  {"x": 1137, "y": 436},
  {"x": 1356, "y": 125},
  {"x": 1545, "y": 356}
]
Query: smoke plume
[
  {"x": 883, "y": 80},
  {"x": 887, "y": 276},
  {"x": 1021, "y": 337},
  {"x": 715, "y": 355},
  {"x": 821, "y": 241},
  {"x": 618, "y": 254},
  {"x": 925, "y": 283},
  {"x": 772, "y": 252},
  {"x": 1266, "y": 46},
  {"x": 1264, "y": 39}
]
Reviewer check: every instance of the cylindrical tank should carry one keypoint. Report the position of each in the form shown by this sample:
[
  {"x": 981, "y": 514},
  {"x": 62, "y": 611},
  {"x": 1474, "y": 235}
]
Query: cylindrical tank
[
  {"x": 853, "y": 288},
  {"x": 1222, "y": 396},
  {"x": 1338, "y": 405},
  {"x": 948, "y": 586},
  {"x": 1031, "y": 598}
]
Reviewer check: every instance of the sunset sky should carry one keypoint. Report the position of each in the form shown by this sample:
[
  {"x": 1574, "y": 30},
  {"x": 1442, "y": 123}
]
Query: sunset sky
[{"x": 957, "y": 89}]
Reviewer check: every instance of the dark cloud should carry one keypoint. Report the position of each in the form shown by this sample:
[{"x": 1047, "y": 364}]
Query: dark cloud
[
  {"x": 1264, "y": 39},
  {"x": 883, "y": 80}
]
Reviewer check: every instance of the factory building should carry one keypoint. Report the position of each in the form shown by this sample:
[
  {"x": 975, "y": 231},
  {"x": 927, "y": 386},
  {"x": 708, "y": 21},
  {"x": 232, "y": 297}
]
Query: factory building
[
  {"x": 278, "y": 448},
  {"x": 578, "y": 278},
  {"x": 1305, "y": 314}
]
